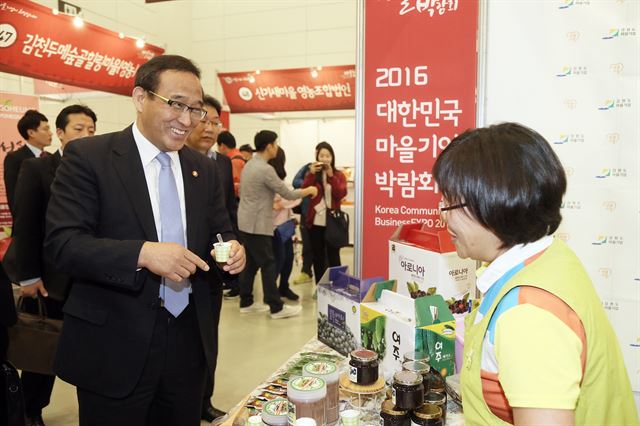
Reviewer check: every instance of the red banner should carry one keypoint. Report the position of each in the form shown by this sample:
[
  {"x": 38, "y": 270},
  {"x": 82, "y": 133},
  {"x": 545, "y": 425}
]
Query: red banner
[
  {"x": 12, "y": 108},
  {"x": 300, "y": 89},
  {"x": 36, "y": 43},
  {"x": 419, "y": 93},
  {"x": 42, "y": 87}
]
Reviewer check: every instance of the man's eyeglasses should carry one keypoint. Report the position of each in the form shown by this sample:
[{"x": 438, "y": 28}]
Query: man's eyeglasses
[
  {"x": 212, "y": 123},
  {"x": 443, "y": 207},
  {"x": 196, "y": 113}
]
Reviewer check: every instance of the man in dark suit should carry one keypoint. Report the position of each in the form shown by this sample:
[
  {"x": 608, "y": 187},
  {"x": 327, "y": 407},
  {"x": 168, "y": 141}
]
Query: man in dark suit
[
  {"x": 25, "y": 260},
  {"x": 35, "y": 130},
  {"x": 132, "y": 215},
  {"x": 202, "y": 139}
]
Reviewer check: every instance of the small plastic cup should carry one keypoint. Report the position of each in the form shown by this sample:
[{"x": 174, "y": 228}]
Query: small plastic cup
[
  {"x": 305, "y": 421},
  {"x": 349, "y": 417},
  {"x": 222, "y": 251}
]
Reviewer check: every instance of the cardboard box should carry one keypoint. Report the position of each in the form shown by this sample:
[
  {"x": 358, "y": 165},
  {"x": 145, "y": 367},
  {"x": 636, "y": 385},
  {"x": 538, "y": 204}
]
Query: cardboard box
[
  {"x": 393, "y": 324},
  {"x": 428, "y": 260},
  {"x": 339, "y": 297}
]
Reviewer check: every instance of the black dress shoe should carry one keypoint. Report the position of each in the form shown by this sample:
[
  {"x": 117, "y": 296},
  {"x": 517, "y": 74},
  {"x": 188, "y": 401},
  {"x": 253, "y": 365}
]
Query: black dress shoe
[
  {"x": 34, "y": 420},
  {"x": 288, "y": 294},
  {"x": 211, "y": 413}
]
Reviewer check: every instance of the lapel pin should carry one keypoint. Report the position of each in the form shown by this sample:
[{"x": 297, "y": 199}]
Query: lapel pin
[{"x": 194, "y": 173}]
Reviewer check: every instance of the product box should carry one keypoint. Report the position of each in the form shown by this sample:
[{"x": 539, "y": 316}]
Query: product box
[
  {"x": 421, "y": 260},
  {"x": 393, "y": 324},
  {"x": 339, "y": 297}
]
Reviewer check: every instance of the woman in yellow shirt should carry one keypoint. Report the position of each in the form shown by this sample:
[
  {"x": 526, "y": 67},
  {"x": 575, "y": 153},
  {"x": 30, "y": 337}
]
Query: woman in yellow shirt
[{"x": 539, "y": 350}]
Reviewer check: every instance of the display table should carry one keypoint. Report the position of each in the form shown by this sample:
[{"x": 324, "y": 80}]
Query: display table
[{"x": 239, "y": 414}]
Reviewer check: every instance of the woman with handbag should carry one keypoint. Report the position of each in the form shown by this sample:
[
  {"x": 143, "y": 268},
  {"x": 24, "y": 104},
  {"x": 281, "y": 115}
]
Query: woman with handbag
[
  {"x": 285, "y": 228},
  {"x": 324, "y": 208}
]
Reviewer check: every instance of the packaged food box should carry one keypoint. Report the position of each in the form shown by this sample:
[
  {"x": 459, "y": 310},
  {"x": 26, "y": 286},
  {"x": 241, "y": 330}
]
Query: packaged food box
[{"x": 339, "y": 297}]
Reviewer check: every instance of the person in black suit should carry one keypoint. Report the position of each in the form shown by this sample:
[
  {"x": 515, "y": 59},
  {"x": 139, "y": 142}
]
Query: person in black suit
[
  {"x": 202, "y": 139},
  {"x": 132, "y": 215},
  {"x": 34, "y": 128},
  {"x": 25, "y": 260}
]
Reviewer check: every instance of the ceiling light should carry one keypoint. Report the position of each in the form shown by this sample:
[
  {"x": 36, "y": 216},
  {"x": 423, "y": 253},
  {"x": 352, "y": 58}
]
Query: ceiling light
[
  {"x": 140, "y": 43},
  {"x": 54, "y": 11},
  {"x": 252, "y": 79},
  {"x": 257, "y": 72},
  {"x": 319, "y": 68},
  {"x": 78, "y": 22},
  {"x": 314, "y": 73},
  {"x": 121, "y": 35}
]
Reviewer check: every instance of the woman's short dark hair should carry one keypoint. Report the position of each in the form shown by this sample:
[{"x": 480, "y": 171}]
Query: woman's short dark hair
[
  {"x": 30, "y": 121},
  {"x": 278, "y": 163},
  {"x": 510, "y": 179},
  {"x": 325, "y": 145},
  {"x": 264, "y": 138},
  {"x": 148, "y": 75}
]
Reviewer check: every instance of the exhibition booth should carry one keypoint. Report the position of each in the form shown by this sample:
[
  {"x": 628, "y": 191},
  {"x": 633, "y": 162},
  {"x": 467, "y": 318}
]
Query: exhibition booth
[{"x": 389, "y": 85}]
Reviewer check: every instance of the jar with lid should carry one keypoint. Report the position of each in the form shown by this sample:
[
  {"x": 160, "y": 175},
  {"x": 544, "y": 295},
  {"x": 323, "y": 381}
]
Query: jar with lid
[
  {"x": 328, "y": 371},
  {"x": 434, "y": 382},
  {"x": 306, "y": 397},
  {"x": 408, "y": 390},
  {"x": 276, "y": 412},
  {"x": 427, "y": 415},
  {"x": 363, "y": 367},
  {"x": 418, "y": 355},
  {"x": 439, "y": 399},
  {"x": 421, "y": 368},
  {"x": 392, "y": 415}
]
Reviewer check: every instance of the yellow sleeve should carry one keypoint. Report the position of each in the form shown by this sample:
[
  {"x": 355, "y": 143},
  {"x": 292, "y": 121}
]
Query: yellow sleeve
[{"x": 538, "y": 359}]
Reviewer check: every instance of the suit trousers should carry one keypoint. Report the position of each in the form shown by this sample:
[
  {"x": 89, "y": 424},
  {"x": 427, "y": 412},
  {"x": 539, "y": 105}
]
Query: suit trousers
[
  {"x": 259, "y": 252},
  {"x": 323, "y": 254},
  {"x": 210, "y": 377},
  {"x": 169, "y": 391},
  {"x": 37, "y": 387}
]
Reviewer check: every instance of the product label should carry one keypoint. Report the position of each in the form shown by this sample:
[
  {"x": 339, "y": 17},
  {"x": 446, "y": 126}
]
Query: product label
[
  {"x": 292, "y": 413},
  {"x": 278, "y": 407},
  {"x": 337, "y": 317},
  {"x": 393, "y": 395},
  {"x": 307, "y": 383},
  {"x": 353, "y": 374},
  {"x": 320, "y": 367}
]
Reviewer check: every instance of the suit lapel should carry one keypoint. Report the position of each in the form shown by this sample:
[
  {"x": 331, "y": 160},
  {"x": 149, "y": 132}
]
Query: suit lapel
[
  {"x": 129, "y": 167},
  {"x": 193, "y": 195}
]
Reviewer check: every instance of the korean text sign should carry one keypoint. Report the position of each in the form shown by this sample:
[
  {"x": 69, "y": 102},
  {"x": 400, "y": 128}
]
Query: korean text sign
[
  {"x": 299, "y": 89},
  {"x": 36, "y": 43},
  {"x": 419, "y": 93}
]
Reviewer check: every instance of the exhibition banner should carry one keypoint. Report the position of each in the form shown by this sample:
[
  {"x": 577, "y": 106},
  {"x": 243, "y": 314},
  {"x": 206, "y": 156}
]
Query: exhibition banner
[
  {"x": 12, "y": 108},
  {"x": 300, "y": 89},
  {"x": 419, "y": 93},
  {"x": 43, "y": 87},
  {"x": 36, "y": 43},
  {"x": 584, "y": 67}
]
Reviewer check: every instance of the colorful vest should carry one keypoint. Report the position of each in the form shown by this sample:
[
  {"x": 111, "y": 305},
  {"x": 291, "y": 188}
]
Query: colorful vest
[{"x": 605, "y": 392}]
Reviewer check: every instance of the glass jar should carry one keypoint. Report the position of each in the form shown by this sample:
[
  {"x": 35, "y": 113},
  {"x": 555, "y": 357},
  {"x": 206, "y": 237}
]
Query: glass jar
[
  {"x": 275, "y": 413},
  {"x": 421, "y": 368},
  {"x": 327, "y": 371},
  {"x": 434, "y": 382},
  {"x": 427, "y": 415},
  {"x": 393, "y": 416},
  {"x": 306, "y": 397},
  {"x": 421, "y": 356},
  {"x": 439, "y": 399},
  {"x": 408, "y": 390},
  {"x": 363, "y": 367}
]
